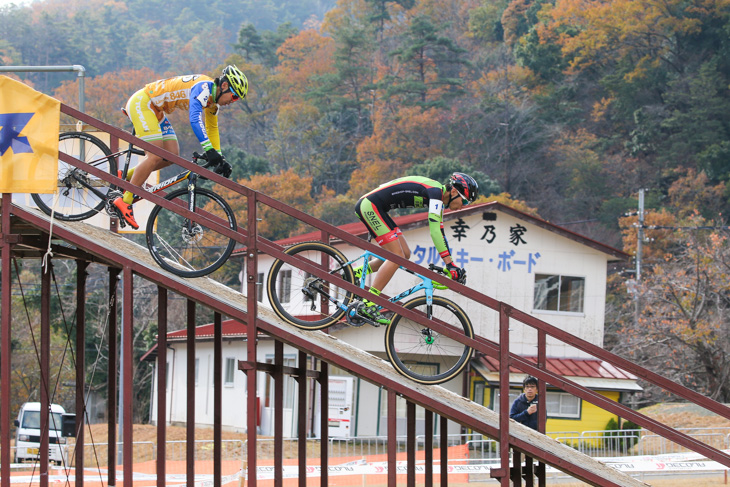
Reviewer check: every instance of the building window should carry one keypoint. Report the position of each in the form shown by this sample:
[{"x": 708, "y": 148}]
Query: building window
[
  {"x": 284, "y": 286},
  {"x": 559, "y": 293},
  {"x": 260, "y": 287},
  {"x": 479, "y": 393},
  {"x": 230, "y": 370},
  {"x": 563, "y": 405},
  {"x": 559, "y": 404},
  {"x": 513, "y": 394},
  {"x": 197, "y": 369}
]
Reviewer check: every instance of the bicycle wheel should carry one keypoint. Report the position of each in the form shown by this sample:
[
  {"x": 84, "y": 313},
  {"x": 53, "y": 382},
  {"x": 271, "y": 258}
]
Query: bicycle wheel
[
  {"x": 187, "y": 248},
  {"x": 304, "y": 300},
  {"x": 80, "y": 195},
  {"x": 421, "y": 353}
]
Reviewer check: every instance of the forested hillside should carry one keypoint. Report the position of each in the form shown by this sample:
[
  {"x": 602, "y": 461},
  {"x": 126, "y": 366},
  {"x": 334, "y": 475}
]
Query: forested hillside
[{"x": 567, "y": 106}]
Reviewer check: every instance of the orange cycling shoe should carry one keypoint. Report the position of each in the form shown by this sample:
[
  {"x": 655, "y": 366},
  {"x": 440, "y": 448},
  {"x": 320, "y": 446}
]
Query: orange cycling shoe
[{"x": 126, "y": 211}]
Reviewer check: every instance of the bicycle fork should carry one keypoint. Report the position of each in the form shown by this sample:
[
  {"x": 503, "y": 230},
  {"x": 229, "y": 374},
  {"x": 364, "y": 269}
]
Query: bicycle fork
[{"x": 192, "y": 230}]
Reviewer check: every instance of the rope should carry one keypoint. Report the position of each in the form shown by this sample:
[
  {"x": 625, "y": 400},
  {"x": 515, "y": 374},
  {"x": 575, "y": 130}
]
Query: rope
[
  {"x": 69, "y": 349},
  {"x": 49, "y": 253}
]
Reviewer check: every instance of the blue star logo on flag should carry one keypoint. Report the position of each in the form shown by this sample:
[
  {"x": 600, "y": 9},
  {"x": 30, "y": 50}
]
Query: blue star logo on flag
[{"x": 11, "y": 124}]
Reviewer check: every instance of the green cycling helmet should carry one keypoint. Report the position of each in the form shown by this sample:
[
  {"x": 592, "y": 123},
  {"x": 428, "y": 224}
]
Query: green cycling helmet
[{"x": 236, "y": 80}]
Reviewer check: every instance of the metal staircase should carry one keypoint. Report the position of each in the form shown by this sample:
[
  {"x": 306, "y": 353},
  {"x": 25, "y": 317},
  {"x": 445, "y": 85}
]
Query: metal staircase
[{"x": 24, "y": 233}]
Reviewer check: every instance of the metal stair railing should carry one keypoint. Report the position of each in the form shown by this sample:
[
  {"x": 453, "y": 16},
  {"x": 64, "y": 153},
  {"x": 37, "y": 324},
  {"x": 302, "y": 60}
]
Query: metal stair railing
[
  {"x": 499, "y": 350},
  {"x": 255, "y": 244}
]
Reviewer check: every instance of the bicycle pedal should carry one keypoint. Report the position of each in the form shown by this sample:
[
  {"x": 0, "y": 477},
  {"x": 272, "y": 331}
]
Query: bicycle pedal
[
  {"x": 354, "y": 318},
  {"x": 109, "y": 207}
]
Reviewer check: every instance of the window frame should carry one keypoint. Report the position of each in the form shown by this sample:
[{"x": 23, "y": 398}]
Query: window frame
[
  {"x": 515, "y": 393},
  {"x": 560, "y": 293},
  {"x": 226, "y": 382},
  {"x": 284, "y": 277}
]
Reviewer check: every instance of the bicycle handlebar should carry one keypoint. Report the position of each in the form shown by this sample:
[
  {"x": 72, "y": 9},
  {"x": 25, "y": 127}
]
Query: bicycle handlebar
[
  {"x": 442, "y": 270},
  {"x": 197, "y": 156}
]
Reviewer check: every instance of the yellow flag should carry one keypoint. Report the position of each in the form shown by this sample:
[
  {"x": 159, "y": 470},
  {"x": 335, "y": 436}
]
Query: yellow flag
[{"x": 29, "y": 124}]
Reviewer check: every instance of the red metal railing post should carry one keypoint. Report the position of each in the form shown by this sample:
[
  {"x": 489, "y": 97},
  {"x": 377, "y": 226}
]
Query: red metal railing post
[
  {"x": 542, "y": 391},
  {"x": 392, "y": 438},
  {"x": 5, "y": 353},
  {"x": 504, "y": 405},
  {"x": 190, "y": 393},
  {"x": 128, "y": 339},
  {"x": 411, "y": 443},
  {"x": 324, "y": 385},
  {"x": 45, "y": 368},
  {"x": 252, "y": 334},
  {"x": 428, "y": 446},
  {"x": 278, "y": 413},
  {"x": 217, "y": 398},
  {"x": 112, "y": 378},
  {"x": 161, "y": 384},
  {"x": 81, "y": 273},
  {"x": 444, "y": 444},
  {"x": 302, "y": 422}
]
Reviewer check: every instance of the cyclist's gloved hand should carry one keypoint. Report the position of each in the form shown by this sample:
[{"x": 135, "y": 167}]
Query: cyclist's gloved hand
[
  {"x": 457, "y": 273},
  {"x": 213, "y": 157},
  {"x": 224, "y": 169}
]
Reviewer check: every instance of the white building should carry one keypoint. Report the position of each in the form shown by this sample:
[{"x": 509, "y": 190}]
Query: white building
[{"x": 537, "y": 267}]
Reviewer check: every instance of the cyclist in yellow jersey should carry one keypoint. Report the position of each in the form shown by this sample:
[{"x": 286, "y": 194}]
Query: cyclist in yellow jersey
[{"x": 201, "y": 96}]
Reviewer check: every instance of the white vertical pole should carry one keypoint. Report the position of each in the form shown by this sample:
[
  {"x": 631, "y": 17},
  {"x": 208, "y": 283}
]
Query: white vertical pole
[{"x": 640, "y": 237}]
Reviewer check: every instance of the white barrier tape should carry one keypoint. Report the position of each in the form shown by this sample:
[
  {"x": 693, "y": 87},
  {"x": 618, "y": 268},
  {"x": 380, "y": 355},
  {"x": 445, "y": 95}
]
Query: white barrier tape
[
  {"x": 666, "y": 457},
  {"x": 292, "y": 471},
  {"x": 178, "y": 480},
  {"x": 668, "y": 466},
  {"x": 268, "y": 472}
]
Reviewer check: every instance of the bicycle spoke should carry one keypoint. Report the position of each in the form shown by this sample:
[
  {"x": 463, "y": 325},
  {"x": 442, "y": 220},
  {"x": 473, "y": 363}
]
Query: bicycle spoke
[
  {"x": 74, "y": 199},
  {"x": 423, "y": 354},
  {"x": 303, "y": 299},
  {"x": 185, "y": 247}
]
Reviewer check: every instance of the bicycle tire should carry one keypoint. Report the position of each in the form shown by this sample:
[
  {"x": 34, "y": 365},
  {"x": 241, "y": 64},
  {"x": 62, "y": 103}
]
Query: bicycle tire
[
  {"x": 74, "y": 201},
  {"x": 187, "y": 248},
  {"x": 286, "y": 288},
  {"x": 410, "y": 352}
]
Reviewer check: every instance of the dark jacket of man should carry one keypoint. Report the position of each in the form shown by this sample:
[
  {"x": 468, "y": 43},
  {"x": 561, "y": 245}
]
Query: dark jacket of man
[{"x": 519, "y": 412}]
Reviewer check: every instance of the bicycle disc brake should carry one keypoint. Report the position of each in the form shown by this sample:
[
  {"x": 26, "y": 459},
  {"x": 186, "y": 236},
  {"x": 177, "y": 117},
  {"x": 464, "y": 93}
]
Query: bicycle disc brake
[{"x": 193, "y": 234}]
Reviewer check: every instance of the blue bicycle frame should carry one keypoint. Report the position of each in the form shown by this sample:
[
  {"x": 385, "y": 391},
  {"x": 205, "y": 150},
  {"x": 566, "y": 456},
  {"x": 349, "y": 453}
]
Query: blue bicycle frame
[{"x": 426, "y": 285}]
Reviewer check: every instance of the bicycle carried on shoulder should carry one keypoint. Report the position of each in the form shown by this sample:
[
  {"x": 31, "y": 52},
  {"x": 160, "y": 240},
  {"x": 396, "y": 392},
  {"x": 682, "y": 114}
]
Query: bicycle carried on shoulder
[
  {"x": 415, "y": 350},
  {"x": 178, "y": 244}
]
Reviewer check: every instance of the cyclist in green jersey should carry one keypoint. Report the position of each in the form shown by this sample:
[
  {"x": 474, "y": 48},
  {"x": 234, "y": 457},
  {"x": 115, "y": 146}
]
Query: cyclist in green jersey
[{"x": 410, "y": 192}]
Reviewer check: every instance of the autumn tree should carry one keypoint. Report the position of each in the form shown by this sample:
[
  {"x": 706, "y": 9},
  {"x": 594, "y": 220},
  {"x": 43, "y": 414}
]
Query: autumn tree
[
  {"x": 261, "y": 47},
  {"x": 106, "y": 94},
  {"x": 287, "y": 187},
  {"x": 380, "y": 11},
  {"x": 429, "y": 63},
  {"x": 680, "y": 328},
  {"x": 347, "y": 93}
]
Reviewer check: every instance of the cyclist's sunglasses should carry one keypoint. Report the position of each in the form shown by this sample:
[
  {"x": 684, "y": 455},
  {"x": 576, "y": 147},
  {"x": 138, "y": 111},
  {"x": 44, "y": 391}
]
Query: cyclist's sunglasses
[
  {"x": 234, "y": 96},
  {"x": 464, "y": 201}
]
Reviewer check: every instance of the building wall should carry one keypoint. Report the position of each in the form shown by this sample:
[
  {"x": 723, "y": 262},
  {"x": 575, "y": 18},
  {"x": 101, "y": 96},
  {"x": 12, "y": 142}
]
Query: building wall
[
  {"x": 501, "y": 257},
  {"x": 234, "y": 407},
  {"x": 592, "y": 417},
  {"x": 501, "y": 253}
]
